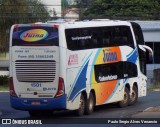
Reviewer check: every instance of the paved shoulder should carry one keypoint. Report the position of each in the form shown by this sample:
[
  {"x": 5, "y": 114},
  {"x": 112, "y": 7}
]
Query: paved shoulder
[{"x": 151, "y": 112}]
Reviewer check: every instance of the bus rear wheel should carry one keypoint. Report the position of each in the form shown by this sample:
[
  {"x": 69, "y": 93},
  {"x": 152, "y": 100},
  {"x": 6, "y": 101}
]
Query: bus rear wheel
[
  {"x": 125, "y": 101},
  {"x": 81, "y": 109},
  {"x": 90, "y": 104},
  {"x": 133, "y": 96}
]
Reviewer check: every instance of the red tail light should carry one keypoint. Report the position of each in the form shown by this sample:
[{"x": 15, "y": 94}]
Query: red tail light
[
  {"x": 15, "y": 26},
  {"x": 12, "y": 91},
  {"x": 56, "y": 26},
  {"x": 61, "y": 88}
]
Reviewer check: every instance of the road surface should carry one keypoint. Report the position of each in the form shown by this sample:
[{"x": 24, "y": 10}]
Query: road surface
[{"x": 67, "y": 118}]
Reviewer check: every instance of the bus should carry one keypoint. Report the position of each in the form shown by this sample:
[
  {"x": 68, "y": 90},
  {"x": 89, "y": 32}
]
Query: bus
[{"x": 76, "y": 65}]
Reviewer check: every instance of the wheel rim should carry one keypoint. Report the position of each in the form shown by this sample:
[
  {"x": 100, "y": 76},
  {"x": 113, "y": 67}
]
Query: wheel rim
[
  {"x": 82, "y": 105},
  {"x": 133, "y": 96},
  {"x": 125, "y": 98},
  {"x": 91, "y": 104}
]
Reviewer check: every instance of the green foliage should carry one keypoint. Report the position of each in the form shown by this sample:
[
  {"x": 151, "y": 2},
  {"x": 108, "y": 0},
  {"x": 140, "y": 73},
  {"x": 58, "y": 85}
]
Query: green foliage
[
  {"x": 123, "y": 9},
  {"x": 154, "y": 87},
  {"x": 19, "y": 11},
  {"x": 4, "y": 80}
]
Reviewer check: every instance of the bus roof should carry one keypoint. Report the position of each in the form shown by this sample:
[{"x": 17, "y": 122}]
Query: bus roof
[
  {"x": 79, "y": 24},
  {"x": 94, "y": 23}
]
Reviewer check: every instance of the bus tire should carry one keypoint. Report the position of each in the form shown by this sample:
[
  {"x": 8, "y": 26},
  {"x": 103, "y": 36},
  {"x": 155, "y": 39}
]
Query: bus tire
[
  {"x": 34, "y": 113},
  {"x": 90, "y": 104},
  {"x": 133, "y": 96},
  {"x": 125, "y": 101},
  {"x": 81, "y": 109}
]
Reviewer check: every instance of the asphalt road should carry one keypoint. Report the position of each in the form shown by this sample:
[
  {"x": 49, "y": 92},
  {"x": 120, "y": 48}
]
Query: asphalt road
[{"x": 65, "y": 118}]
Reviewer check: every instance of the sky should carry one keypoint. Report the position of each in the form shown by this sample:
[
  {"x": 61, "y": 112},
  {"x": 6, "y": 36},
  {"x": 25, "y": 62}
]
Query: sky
[{"x": 53, "y": 4}]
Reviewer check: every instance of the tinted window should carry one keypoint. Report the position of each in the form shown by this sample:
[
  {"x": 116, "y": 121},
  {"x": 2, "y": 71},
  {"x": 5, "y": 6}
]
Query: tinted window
[
  {"x": 138, "y": 33},
  {"x": 115, "y": 71},
  {"x": 129, "y": 70},
  {"x": 140, "y": 40},
  {"x": 98, "y": 37},
  {"x": 37, "y": 35}
]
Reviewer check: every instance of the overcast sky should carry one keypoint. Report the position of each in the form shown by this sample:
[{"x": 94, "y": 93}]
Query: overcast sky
[{"x": 56, "y": 4}]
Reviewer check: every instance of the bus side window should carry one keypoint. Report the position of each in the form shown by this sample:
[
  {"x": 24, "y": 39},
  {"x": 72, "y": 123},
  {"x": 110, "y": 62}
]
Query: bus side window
[
  {"x": 122, "y": 36},
  {"x": 96, "y": 38},
  {"x": 106, "y": 38}
]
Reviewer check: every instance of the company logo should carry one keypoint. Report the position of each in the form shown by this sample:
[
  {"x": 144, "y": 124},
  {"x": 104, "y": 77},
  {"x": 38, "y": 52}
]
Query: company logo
[
  {"x": 48, "y": 89},
  {"x": 107, "y": 78},
  {"x": 6, "y": 121},
  {"x": 34, "y": 35},
  {"x": 109, "y": 56},
  {"x": 81, "y": 38},
  {"x": 73, "y": 59}
]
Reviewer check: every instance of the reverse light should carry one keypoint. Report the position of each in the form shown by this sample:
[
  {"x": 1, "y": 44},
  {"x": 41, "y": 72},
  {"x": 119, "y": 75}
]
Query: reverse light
[
  {"x": 12, "y": 91},
  {"x": 61, "y": 88}
]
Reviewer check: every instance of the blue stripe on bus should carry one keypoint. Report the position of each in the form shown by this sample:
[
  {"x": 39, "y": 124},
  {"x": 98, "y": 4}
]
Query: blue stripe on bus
[
  {"x": 131, "y": 52},
  {"x": 133, "y": 57},
  {"x": 78, "y": 76},
  {"x": 80, "y": 83}
]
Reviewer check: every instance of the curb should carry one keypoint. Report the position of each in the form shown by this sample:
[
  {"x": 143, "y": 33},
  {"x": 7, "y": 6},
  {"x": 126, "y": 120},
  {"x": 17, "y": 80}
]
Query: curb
[
  {"x": 157, "y": 90},
  {"x": 151, "y": 112},
  {"x": 4, "y": 91},
  {"x": 152, "y": 109}
]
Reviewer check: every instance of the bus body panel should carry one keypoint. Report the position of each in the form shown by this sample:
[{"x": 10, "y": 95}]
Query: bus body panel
[
  {"x": 105, "y": 70},
  {"x": 32, "y": 74},
  {"x": 35, "y": 68}
]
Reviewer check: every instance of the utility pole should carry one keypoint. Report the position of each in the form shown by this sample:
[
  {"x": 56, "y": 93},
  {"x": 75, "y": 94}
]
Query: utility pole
[{"x": 63, "y": 8}]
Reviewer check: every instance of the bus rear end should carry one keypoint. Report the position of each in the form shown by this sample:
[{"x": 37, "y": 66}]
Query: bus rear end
[{"x": 34, "y": 68}]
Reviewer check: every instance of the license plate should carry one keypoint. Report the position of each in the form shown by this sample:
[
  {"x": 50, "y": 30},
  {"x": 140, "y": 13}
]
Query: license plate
[{"x": 35, "y": 103}]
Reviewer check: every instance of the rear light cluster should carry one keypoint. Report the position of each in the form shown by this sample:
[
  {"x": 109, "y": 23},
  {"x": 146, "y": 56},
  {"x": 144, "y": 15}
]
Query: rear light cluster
[
  {"x": 60, "y": 91},
  {"x": 56, "y": 26},
  {"x": 15, "y": 26},
  {"x": 61, "y": 88},
  {"x": 12, "y": 91}
]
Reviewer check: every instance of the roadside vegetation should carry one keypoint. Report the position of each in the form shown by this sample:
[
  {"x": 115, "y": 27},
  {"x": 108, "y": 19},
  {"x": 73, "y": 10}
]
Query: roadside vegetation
[
  {"x": 4, "y": 83},
  {"x": 154, "y": 87},
  {"x": 19, "y": 11},
  {"x": 120, "y": 9}
]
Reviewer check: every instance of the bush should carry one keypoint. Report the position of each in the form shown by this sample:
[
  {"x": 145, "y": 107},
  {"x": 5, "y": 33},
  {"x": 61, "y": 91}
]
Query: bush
[{"x": 4, "y": 80}]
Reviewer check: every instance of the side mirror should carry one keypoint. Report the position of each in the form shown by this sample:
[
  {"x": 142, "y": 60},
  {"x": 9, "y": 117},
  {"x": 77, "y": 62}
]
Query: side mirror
[
  {"x": 147, "y": 48},
  {"x": 142, "y": 48}
]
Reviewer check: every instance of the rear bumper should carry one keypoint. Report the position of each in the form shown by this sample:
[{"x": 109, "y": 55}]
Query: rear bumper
[{"x": 43, "y": 103}]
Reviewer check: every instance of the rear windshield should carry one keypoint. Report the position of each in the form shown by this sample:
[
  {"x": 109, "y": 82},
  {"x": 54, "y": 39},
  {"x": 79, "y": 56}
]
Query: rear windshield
[{"x": 35, "y": 36}]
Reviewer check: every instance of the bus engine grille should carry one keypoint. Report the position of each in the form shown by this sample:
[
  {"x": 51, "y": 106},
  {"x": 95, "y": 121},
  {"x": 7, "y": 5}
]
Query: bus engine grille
[{"x": 35, "y": 70}]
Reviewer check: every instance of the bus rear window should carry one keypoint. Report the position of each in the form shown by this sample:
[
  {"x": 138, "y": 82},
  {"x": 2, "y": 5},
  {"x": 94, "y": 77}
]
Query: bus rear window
[{"x": 35, "y": 36}]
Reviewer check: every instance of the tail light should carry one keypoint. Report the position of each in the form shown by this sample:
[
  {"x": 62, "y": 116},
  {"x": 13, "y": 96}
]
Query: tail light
[
  {"x": 56, "y": 26},
  {"x": 15, "y": 26},
  {"x": 61, "y": 88},
  {"x": 12, "y": 91}
]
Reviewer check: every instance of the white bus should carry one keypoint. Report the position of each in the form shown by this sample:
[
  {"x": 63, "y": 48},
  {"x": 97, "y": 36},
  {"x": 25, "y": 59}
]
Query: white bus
[{"x": 76, "y": 65}]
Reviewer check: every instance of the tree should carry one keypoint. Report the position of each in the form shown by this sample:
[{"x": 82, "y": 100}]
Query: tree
[
  {"x": 19, "y": 11},
  {"x": 123, "y": 9}
]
